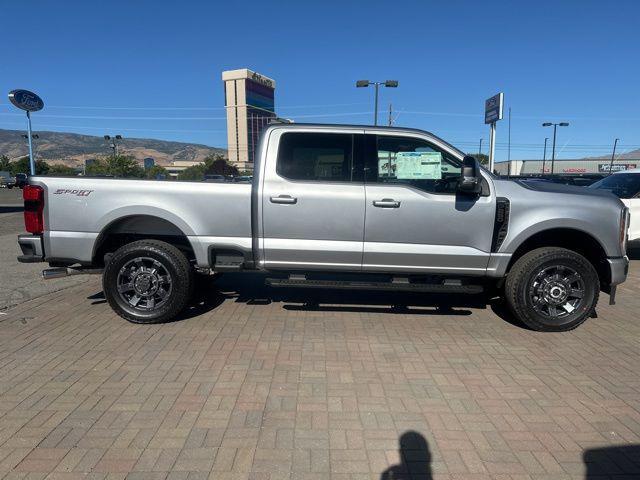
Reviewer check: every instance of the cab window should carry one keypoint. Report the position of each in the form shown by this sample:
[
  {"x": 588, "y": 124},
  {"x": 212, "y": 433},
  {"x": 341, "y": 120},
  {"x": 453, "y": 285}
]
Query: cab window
[
  {"x": 324, "y": 157},
  {"x": 411, "y": 161}
]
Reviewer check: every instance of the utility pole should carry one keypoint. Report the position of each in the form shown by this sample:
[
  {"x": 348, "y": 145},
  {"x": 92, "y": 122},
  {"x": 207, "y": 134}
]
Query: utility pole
[
  {"x": 390, "y": 114},
  {"x": 613, "y": 156},
  {"x": 544, "y": 154},
  {"x": 480, "y": 148}
]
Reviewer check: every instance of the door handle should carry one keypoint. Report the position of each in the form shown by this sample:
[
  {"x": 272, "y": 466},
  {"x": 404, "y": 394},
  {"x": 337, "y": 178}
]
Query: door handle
[
  {"x": 386, "y": 203},
  {"x": 284, "y": 199}
]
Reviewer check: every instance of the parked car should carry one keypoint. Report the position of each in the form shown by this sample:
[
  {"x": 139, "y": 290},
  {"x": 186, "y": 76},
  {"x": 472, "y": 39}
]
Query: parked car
[
  {"x": 626, "y": 186},
  {"x": 579, "y": 180},
  {"x": 6, "y": 180},
  {"x": 374, "y": 208},
  {"x": 215, "y": 178},
  {"x": 243, "y": 179}
]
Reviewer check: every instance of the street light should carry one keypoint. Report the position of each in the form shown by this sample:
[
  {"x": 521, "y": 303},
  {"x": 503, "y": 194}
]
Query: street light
[
  {"x": 613, "y": 155},
  {"x": 386, "y": 83},
  {"x": 544, "y": 154},
  {"x": 553, "y": 148},
  {"x": 114, "y": 144}
]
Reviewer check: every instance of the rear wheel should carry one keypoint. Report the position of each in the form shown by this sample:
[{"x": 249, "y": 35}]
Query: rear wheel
[
  {"x": 552, "y": 289},
  {"x": 148, "y": 281}
]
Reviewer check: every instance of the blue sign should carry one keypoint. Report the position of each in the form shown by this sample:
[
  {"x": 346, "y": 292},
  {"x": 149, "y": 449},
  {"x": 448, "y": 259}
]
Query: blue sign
[
  {"x": 26, "y": 100},
  {"x": 493, "y": 108}
]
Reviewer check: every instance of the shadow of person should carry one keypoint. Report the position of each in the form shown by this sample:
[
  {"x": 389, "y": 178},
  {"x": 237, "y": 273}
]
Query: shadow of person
[
  {"x": 415, "y": 459},
  {"x": 612, "y": 462}
]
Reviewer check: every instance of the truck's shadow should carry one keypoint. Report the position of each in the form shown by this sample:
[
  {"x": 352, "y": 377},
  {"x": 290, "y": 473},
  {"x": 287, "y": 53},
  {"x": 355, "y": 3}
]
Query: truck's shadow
[{"x": 250, "y": 288}]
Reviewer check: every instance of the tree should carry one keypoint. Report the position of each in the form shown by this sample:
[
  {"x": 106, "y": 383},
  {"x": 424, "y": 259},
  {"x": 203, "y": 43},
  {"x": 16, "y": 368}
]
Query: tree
[
  {"x": 62, "y": 170},
  {"x": 218, "y": 165},
  {"x": 5, "y": 163},
  {"x": 122, "y": 166},
  {"x": 213, "y": 165},
  {"x": 22, "y": 166},
  {"x": 195, "y": 172},
  {"x": 156, "y": 171}
]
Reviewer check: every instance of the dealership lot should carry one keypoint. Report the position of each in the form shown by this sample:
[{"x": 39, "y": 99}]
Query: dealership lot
[{"x": 265, "y": 386}]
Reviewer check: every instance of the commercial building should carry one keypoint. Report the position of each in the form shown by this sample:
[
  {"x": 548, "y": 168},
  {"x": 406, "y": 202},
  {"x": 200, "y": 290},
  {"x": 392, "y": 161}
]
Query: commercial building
[
  {"x": 178, "y": 166},
  {"x": 577, "y": 166},
  {"x": 250, "y": 105}
]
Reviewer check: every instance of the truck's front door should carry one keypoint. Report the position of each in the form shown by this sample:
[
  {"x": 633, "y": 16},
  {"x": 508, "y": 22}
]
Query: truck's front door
[
  {"x": 313, "y": 201},
  {"x": 415, "y": 220}
]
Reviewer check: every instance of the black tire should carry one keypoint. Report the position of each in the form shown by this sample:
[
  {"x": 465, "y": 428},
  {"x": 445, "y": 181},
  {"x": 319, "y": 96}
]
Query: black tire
[
  {"x": 168, "y": 290},
  {"x": 534, "y": 292}
]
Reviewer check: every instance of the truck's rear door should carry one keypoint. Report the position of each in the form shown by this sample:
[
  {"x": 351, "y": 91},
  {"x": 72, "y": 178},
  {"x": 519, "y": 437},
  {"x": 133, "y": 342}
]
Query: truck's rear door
[{"x": 313, "y": 201}]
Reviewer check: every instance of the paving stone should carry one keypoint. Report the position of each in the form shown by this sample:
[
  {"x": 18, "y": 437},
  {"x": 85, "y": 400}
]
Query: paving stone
[{"x": 246, "y": 391}]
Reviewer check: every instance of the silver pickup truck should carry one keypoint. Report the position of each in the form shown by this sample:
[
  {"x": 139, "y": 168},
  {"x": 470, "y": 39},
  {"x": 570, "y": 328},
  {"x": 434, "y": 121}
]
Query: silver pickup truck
[{"x": 334, "y": 206}]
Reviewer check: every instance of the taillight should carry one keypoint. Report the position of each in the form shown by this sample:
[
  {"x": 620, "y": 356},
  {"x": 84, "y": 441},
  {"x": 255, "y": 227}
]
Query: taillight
[{"x": 33, "y": 196}]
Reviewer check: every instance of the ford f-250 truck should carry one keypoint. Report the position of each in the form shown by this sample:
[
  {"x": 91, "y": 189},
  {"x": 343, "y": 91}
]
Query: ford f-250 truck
[{"x": 401, "y": 208}]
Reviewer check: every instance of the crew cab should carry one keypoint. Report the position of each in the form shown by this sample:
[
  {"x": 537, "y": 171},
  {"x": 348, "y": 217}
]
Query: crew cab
[{"x": 332, "y": 206}]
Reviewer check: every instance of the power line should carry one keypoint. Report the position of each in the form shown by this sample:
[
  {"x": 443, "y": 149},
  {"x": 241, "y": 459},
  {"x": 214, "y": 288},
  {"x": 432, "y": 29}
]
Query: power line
[{"x": 283, "y": 107}]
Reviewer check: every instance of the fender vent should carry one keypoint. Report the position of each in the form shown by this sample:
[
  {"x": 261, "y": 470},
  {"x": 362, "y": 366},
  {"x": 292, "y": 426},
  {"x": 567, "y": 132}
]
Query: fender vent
[{"x": 501, "y": 223}]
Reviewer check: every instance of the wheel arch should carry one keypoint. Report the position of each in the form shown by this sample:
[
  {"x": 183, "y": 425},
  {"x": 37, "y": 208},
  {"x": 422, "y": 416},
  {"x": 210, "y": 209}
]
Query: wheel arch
[
  {"x": 132, "y": 227},
  {"x": 570, "y": 238}
]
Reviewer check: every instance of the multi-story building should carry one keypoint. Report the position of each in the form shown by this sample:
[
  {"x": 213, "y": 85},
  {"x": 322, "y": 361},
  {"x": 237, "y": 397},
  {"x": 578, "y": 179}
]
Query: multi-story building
[{"x": 249, "y": 101}]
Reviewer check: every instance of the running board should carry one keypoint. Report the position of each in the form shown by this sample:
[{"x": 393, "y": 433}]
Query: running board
[{"x": 447, "y": 287}]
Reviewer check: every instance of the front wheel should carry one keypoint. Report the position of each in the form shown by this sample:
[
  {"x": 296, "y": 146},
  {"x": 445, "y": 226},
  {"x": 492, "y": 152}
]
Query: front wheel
[
  {"x": 148, "y": 281},
  {"x": 552, "y": 289}
]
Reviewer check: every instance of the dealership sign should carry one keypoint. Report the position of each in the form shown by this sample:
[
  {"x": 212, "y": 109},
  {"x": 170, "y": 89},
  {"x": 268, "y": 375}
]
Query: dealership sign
[
  {"x": 26, "y": 100},
  {"x": 618, "y": 167},
  {"x": 493, "y": 108}
]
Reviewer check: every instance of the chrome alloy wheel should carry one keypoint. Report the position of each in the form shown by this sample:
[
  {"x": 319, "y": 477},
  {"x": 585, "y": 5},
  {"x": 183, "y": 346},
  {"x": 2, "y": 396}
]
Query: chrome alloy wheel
[
  {"x": 144, "y": 283},
  {"x": 556, "y": 291}
]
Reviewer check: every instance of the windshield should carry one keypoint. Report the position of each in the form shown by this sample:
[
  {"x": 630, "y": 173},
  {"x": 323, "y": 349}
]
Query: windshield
[{"x": 622, "y": 185}]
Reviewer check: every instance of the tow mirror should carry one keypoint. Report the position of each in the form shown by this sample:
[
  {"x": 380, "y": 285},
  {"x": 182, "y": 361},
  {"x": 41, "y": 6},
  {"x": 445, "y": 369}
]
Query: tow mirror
[{"x": 470, "y": 176}]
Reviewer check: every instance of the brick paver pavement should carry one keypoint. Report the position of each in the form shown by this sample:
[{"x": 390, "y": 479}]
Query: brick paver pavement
[{"x": 247, "y": 388}]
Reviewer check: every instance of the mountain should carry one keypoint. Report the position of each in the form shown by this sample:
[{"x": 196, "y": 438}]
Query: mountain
[
  {"x": 632, "y": 155},
  {"x": 73, "y": 148}
]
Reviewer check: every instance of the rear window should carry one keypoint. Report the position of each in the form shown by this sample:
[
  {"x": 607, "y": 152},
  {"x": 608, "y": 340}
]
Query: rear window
[
  {"x": 325, "y": 157},
  {"x": 622, "y": 185}
]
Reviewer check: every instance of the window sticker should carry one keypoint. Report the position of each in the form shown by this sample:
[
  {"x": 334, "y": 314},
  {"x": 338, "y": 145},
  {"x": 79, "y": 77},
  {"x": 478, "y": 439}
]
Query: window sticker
[{"x": 418, "y": 165}]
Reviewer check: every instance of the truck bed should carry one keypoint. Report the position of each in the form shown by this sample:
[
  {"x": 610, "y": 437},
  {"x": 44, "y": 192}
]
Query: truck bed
[{"x": 77, "y": 209}]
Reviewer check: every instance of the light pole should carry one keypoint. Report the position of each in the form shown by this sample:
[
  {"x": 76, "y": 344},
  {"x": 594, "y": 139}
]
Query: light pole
[
  {"x": 613, "y": 155},
  {"x": 386, "y": 83},
  {"x": 114, "y": 144},
  {"x": 553, "y": 148},
  {"x": 480, "y": 148},
  {"x": 544, "y": 154}
]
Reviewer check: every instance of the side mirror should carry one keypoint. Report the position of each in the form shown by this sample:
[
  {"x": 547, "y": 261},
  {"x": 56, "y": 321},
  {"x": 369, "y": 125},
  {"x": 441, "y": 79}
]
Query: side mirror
[{"x": 470, "y": 176}]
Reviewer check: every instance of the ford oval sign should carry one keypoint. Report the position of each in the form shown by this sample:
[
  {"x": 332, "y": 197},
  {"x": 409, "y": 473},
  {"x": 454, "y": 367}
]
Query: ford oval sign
[{"x": 26, "y": 100}]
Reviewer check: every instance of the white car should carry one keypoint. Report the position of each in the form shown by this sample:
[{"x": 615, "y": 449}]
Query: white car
[{"x": 626, "y": 186}]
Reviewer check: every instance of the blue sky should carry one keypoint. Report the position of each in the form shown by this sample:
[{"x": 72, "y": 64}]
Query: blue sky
[{"x": 152, "y": 69}]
